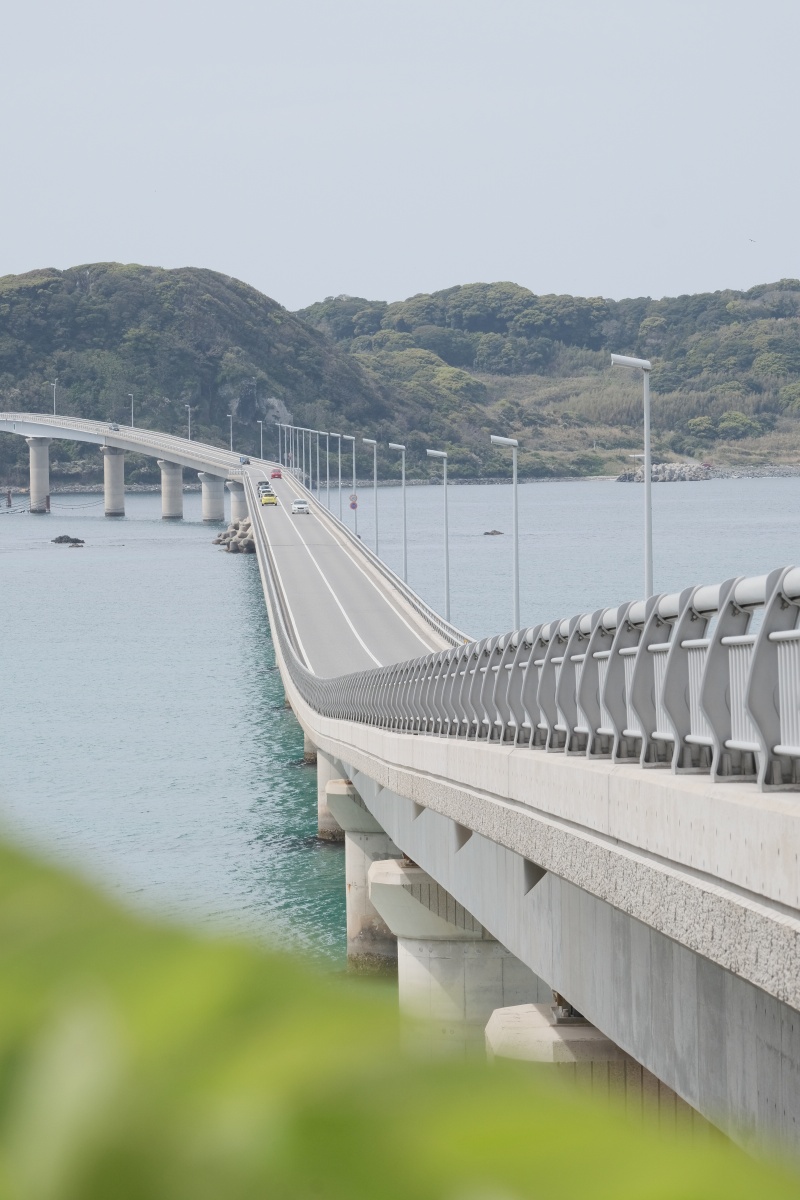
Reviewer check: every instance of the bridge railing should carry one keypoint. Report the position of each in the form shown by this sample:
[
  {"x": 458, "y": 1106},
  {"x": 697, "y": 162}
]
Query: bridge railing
[
  {"x": 704, "y": 681},
  {"x": 149, "y": 440}
]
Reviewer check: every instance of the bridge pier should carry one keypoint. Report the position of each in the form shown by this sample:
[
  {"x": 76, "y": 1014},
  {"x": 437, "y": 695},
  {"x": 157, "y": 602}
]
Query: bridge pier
[
  {"x": 371, "y": 945},
  {"x": 39, "y": 456},
  {"x": 451, "y": 972},
  {"x": 212, "y": 490},
  {"x": 238, "y": 502},
  {"x": 328, "y": 828},
  {"x": 171, "y": 490},
  {"x": 114, "y": 481}
]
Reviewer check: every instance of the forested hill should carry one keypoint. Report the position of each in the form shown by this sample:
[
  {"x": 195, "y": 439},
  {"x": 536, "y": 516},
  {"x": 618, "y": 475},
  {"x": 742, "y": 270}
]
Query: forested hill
[
  {"x": 442, "y": 370},
  {"x": 726, "y": 377},
  {"x": 171, "y": 338}
]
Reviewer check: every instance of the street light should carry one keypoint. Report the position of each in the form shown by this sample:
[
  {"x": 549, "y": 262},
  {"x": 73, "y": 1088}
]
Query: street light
[
  {"x": 374, "y": 444},
  {"x": 349, "y": 437},
  {"x": 402, "y": 449},
  {"x": 53, "y": 386},
  {"x": 188, "y": 408},
  {"x": 131, "y": 396},
  {"x": 442, "y": 454},
  {"x": 645, "y": 366},
  {"x": 339, "y": 436},
  {"x": 514, "y": 444},
  {"x": 328, "y": 470},
  {"x": 230, "y": 418},
  {"x": 261, "y": 423}
]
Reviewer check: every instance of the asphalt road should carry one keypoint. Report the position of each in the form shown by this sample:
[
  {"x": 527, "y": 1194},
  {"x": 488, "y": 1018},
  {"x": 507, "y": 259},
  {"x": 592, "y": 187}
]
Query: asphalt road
[{"x": 344, "y": 618}]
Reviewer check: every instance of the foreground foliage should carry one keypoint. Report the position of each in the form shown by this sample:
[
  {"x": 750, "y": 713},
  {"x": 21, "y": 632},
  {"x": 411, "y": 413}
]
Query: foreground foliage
[{"x": 142, "y": 1062}]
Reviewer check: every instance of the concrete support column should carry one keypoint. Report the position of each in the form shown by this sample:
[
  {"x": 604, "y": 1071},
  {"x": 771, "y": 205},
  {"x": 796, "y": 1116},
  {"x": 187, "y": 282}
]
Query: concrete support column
[
  {"x": 212, "y": 496},
  {"x": 451, "y": 972},
  {"x": 580, "y": 1052},
  {"x": 39, "y": 448},
  {"x": 114, "y": 481},
  {"x": 171, "y": 490},
  {"x": 238, "y": 502},
  {"x": 328, "y": 828},
  {"x": 371, "y": 945}
]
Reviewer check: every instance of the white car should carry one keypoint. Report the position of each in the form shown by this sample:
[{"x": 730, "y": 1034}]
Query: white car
[{"x": 300, "y": 506}]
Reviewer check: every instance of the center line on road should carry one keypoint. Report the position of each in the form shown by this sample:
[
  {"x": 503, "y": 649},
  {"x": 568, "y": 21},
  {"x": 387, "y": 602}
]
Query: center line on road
[{"x": 327, "y": 583}]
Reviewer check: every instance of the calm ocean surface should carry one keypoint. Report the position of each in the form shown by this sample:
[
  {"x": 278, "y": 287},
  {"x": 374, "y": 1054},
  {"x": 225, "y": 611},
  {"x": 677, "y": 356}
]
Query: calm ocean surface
[{"x": 143, "y": 737}]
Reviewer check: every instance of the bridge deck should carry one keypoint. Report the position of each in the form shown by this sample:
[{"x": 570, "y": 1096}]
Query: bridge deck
[{"x": 345, "y": 617}]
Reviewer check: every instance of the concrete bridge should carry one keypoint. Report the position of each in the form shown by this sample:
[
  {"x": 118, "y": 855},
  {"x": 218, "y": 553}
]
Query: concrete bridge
[{"x": 605, "y": 807}]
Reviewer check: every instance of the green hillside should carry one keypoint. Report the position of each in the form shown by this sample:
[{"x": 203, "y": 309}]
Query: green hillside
[
  {"x": 171, "y": 338},
  {"x": 726, "y": 377},
  {"x": 441, "y": 370}
]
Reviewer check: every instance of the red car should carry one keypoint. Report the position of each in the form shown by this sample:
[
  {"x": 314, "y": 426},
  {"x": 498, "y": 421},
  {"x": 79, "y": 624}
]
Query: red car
[{"x": 276, "y": 474}]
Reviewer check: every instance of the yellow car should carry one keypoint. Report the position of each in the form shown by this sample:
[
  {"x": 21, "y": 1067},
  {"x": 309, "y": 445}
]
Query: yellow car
[{"x": 269, "y": 498}]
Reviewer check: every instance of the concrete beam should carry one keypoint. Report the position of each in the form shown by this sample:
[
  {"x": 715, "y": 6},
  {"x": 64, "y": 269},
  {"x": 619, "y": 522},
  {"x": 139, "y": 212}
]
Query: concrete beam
[
  {"x": 171, "y": 490},
  {"x": 371, "y": 945},
  {"x": 114, "y": 481},
  {"x": 212, "y": 496},
  {"x": 238, "y": 501},
  {"x": 39, "y": 455}
]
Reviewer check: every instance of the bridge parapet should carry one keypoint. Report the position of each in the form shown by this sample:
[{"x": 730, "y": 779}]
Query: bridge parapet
[{"x": 704, "y": 681}]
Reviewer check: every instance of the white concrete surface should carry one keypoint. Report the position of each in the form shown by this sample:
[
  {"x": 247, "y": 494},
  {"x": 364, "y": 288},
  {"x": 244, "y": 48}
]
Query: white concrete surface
[
  {"x": 39, "y": 455},
  {"x": 451, "y": 972},
  {"x": 212, "y": 496},
  {"x": 113, "y": 481},
  {"x": 328, "y": 828},
  {"x": 171, "y": 490},
  {"x": 371, "y": 945},
  {"x": 238, "y": 502}
]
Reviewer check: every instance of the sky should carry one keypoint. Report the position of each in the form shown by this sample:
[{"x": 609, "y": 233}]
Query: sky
[{"x": 382, "y": 148}]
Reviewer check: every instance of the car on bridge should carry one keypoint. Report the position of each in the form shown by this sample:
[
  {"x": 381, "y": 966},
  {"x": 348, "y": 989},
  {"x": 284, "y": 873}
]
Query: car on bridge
[
  {"x": 300, "y": 506},
  {"x": 269, "y": 498},
  {"x": 276, "y": 473}
]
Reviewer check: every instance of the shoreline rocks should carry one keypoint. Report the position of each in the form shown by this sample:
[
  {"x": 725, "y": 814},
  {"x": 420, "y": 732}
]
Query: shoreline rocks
[
  {"x": 670, "y": 472},
  {"x": 237, "y": 538}
]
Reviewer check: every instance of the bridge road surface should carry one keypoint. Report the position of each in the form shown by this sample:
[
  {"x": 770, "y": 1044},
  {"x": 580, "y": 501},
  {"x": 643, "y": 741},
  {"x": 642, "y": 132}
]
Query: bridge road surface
[{"x": 345, "y": 618}]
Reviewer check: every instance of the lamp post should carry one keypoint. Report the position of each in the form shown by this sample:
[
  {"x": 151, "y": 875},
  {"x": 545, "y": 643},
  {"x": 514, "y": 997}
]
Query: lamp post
[
  {"x": 402, "y": 449},
  {"x": 442, "y": 454},
  {"x": 53, "y": 386},
  {"x": 374, "y": 444},
  {"x": 645, "y": 366},
  {"x": 188, "y": 408},
  {"x": 230, "y": 418},
  {"x": 261, "y": 423},
  {"x": 131, "y": 396},
  {"x": 349, "y": 437},
  {"x": 338, "y": 436},
  {"x": 514, "y": 444},
  {"x": 328, "y": 470}
]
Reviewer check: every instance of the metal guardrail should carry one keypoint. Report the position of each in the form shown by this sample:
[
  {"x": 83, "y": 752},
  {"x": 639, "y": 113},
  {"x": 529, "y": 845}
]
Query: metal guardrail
[{"x": 691, "y": 682}]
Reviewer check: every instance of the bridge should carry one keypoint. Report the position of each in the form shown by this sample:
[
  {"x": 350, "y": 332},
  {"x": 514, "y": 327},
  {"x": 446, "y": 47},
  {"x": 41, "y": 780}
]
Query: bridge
[{"x": 604, "y": 807}]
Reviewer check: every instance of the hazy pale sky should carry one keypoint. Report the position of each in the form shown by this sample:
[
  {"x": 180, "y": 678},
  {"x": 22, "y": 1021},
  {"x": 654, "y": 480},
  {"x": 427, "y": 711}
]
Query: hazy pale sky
[{"x": 386, "y": 147}]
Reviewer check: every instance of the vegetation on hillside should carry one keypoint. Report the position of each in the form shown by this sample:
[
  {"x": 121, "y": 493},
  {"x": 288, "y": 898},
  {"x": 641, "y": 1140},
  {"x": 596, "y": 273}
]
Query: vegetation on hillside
[
  {"x": 171, "y": 338},
  {"x": 443, "y": 370},
  {"x": 140, "y": 1062},
  {"x": 725, "y": 380}
]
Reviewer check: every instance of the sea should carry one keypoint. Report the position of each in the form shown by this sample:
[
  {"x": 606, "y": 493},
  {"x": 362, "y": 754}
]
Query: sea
[{"x": 144, "y": 741}]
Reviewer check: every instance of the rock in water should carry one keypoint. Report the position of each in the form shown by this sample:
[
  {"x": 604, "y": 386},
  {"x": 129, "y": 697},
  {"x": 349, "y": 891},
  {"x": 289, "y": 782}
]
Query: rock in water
[
  {"x": 66, "y": 540},
  {"x": 492, "y": 533}
]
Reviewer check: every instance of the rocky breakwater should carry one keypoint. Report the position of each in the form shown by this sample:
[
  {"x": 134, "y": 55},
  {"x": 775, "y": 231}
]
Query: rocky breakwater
[
  {"x": 670, "y": 472},
  {"x": 237, "y": 538}
]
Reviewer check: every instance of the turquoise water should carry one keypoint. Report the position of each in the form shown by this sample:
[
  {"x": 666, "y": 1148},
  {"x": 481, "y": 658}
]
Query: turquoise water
[{"x": 143, "y": 737}]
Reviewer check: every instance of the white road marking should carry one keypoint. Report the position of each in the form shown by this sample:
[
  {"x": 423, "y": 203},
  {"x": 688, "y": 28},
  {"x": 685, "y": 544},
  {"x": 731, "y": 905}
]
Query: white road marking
[
  {"x": 338, "y": 602},
  {"x": 382, "y": 594}
]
